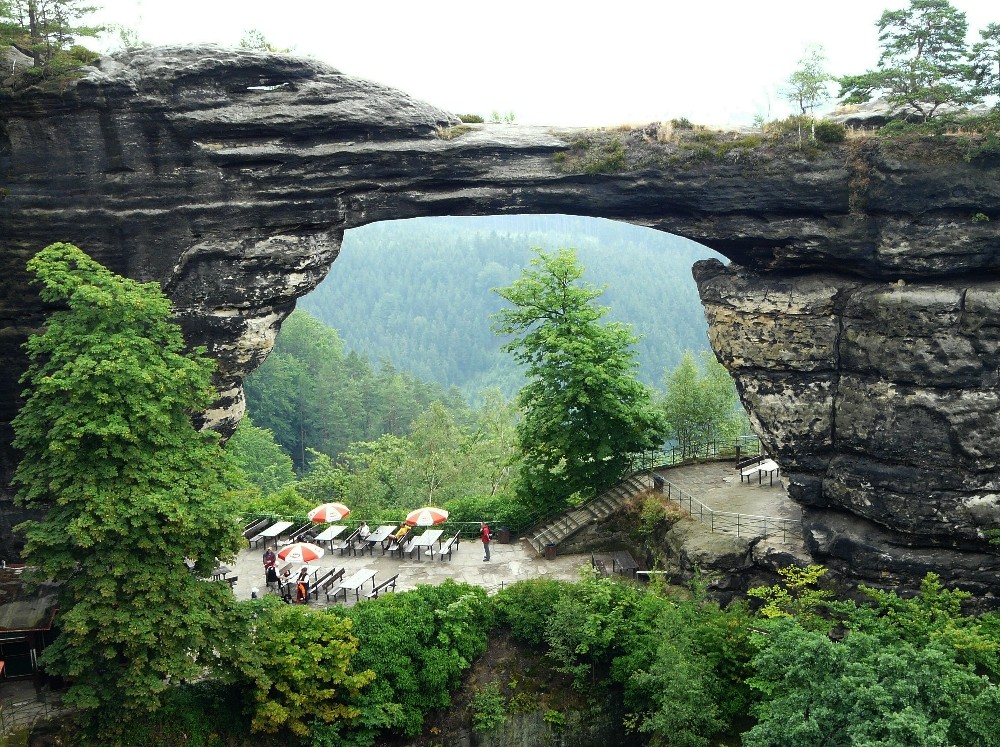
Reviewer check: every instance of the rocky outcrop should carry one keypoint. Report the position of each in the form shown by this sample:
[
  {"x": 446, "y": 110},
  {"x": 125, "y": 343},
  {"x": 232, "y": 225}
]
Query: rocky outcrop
[{"x": 229, "y": 177}]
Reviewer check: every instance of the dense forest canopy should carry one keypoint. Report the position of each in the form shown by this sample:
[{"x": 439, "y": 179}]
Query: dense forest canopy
[{"x": 419, "y": 292}]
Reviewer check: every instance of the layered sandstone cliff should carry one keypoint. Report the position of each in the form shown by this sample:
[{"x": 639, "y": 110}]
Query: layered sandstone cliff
[{"x": 860, "y": 316}]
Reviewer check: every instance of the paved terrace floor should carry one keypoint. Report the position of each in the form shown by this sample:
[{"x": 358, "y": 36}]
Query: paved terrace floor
[{"x": 717, "y": 484}]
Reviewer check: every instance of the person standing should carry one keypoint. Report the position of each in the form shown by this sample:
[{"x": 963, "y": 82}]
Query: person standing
[{"x": 484, "y": 534}]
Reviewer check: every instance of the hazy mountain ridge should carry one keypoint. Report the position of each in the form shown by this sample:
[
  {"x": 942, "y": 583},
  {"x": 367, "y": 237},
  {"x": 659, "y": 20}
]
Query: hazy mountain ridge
[{"x": 419, "y": 292}]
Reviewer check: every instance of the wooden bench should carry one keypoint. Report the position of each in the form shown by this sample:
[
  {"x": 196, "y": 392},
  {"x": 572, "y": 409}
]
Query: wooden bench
[
  {"x": 331, "y": 585},
  {"x": 254, "y": 528},
  {"x": 401, "y": 545},
  {"x": 622, "y": 562},
  {"x": 296, "y": 533},
  {"x": 599, "y": 565},
  {"x": 450, "y": 546},
  {"x": 387, "y": 585},
  {"x": 347, "y": 545},
  {"x": 318, "y": 581}
]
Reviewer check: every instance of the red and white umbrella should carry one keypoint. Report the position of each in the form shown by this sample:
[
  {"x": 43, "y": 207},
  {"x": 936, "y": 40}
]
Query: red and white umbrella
[
  {"x": 300, "y": 552},
  {"x": 424, "y": 517},
  {"x": 329, "y": 513}
]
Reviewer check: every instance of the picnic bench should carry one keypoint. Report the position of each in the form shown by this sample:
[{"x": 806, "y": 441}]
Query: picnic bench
[
  {"x": 399, "y": 542},
  {"x": 599, "y": 565},
  {"x": 387, "y": 585},
  {"x": 254, "y": 528},
  {"x": 347, "y": 545},
  {"x": 425, "y": 540},
  {"x": 268, "y": 534},
  {"x": 330, "y": 583},
  {"x": 380, "y": 536},
  {"x": 758, "y": 466},
  {"x": 450, "y": 546},
  {"x": 329, "y": 534},
  {"x": 318, "y": 581},
  {"x": 355, "y": 582},
  {"x": 622, "y": 562}
]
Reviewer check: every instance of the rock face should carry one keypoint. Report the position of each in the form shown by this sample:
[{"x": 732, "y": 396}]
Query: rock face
[{"x": 229, "y": 177}]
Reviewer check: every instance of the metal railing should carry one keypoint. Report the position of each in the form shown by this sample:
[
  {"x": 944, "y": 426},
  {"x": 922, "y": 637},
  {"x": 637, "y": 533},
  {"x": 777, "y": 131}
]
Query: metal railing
[
  {"x": 727, "y": 521},
  {"x": 674, "y": 455}
]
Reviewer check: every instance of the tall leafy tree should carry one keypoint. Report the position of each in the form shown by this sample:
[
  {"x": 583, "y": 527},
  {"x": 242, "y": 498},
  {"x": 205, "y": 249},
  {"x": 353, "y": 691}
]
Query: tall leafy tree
[
  {"x": 585, "y": 413},
  {"x": 923, "y": 65},
  {"x": 806, "y": 88},
  {"x": 133, "y": 491},
  {"x": 700, "y": 403}
]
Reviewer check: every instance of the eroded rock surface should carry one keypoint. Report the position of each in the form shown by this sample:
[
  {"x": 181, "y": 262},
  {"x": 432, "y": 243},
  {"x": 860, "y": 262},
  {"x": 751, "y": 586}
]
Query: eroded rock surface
[{"x": 230, "y": 176}]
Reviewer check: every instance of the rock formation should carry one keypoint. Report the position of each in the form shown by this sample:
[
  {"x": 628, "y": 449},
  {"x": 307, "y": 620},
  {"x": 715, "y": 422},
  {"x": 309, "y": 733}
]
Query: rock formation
[{"x": 860, "y": 316}]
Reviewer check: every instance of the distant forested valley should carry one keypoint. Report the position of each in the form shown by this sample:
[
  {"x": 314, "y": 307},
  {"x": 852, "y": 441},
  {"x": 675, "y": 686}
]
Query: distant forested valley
[{"x": 417, "y": 293}]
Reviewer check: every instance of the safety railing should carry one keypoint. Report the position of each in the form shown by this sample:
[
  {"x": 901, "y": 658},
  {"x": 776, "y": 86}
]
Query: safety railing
[{"x": 727, "y": 521}]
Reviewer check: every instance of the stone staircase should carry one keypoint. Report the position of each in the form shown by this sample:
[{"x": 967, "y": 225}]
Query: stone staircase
[{"x": 572, "y": 520}]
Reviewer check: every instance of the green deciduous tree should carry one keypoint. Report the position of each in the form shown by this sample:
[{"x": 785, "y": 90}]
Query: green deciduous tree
[
  {"x": 294, "y": 665},
  {"x": 923, "y": 65},
  {"x": 866, "y": 690},
  {"x": 585, "y": 413},
  {"x": 806, "y": 88},
  {"x": 700, "y": 403},
  {"x": 263, "y": 462},
  {"x": 132, "y": 489}
]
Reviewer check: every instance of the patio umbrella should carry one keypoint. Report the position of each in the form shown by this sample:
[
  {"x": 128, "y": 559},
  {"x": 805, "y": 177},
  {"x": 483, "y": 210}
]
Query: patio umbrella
[
  {"x": 300, "y": 552},
  {"x": 424, "y": 517},
  {"x": 329, "y": 513}
]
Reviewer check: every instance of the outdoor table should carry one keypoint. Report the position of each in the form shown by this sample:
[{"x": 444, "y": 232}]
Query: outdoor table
[
  {"x": 330, "y": 534},
  {"x": 427, "y": 539},
  {"x": 379, "y": 536},
  {"x": 221, "y": 572},
  {"x": 622, "y": 562},
  {"x": 274, "y": 530},
  {"x": 357, "y": 582}
]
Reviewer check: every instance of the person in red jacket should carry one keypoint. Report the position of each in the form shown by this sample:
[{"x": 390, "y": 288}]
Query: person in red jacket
[{"x": 484, "y": 534}]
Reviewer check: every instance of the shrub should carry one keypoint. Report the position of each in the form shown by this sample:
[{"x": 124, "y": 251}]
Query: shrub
[
  {"x": 683, "y": 123},
  {"x": 830, "y": 132},
  {"x": 488, "y": 708},
  {"x": 471, "y": 118},
  {"x": 525, "y": 607}
]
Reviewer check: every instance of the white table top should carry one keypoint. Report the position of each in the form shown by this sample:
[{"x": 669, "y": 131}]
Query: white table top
[
  {"x": 428, "y": 538},
  {"x": 358, "y": 579},
  {"x": 331, "y": 533},
  {"x": 275, "y": 529}
]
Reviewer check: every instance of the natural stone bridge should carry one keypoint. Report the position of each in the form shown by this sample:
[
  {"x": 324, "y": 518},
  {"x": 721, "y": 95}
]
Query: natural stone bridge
[{"x": 860, "y": 316}]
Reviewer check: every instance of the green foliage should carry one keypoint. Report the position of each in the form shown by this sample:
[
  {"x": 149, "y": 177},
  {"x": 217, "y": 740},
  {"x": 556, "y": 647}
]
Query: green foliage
[
  {"x": 201, "y": 714},
  {"x": 294, "y": 666},
  {"x": 829, "y": 132},
  {"x": 980, "y": 218},
  {"x": 682, "y": 123},
  {"x": 608, "y": 159},
  {"x": 526, "y": 607},
  {"x": 312, "y": 395},
  {"x": 471, "y": 118},
  {"x": 700, "y": 403},
  {"x": 922, "y": 65},
  {"x": 261, "y": 459},
  {"x": 47, "y": 30},
  {"x": 132, "y": 489},
  {"x": 418, "y": 292},
  {"x": 797, "y": 596},
  {"x": 806, "y": 88},
  {"x": 489, "y": 708},
  {"x": 254, "y": 39},
  {"x": 418, "y": 643},
  {"x": 865, "y": 690},
  {"x": 585, "y": 413},
  {"x": 986, "y": 61}
]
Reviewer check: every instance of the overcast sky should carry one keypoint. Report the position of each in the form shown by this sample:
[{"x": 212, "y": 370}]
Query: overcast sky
[{"x": 553, "y": 62}]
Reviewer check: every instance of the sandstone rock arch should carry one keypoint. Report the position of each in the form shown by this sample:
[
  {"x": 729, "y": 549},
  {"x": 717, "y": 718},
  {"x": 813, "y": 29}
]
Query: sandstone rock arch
[{"x": 860, "y": 316}]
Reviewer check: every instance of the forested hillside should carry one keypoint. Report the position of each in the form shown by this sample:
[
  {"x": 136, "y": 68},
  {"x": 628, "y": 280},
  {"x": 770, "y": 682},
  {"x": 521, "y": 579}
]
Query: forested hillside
[{"x": 419, "y": 292}]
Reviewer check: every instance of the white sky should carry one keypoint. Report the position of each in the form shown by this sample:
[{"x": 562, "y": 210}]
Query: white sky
[{"x": 553, "y": 62}]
